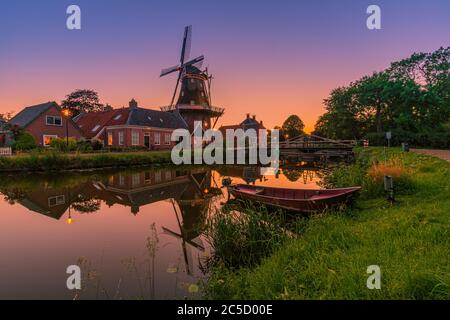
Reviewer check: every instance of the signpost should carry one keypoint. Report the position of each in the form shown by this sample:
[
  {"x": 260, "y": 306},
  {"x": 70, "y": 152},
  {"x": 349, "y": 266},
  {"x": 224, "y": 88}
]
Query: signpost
[{"x": 388, "y": 137}]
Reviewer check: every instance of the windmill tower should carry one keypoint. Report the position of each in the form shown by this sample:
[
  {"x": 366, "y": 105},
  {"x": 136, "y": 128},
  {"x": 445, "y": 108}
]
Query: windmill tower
[{"x": 194, "y": 97}]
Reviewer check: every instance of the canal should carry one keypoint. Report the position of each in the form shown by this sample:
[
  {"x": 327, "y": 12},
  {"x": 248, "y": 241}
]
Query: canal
[{"x": 136, "y": 234}]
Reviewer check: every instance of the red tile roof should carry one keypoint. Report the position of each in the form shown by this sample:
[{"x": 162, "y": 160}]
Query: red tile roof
[{"x": 89, "y": 121}]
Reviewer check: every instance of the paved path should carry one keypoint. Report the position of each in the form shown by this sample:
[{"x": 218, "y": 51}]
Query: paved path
[{"x": 443, "y": 154}]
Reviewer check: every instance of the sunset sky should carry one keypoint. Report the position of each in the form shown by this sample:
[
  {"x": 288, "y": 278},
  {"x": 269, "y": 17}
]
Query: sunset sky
[{"x": 269, "y": 58}]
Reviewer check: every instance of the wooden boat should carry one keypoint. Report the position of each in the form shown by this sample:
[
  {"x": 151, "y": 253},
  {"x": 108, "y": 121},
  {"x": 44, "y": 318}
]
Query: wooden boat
[{"x": 301, "y": 200}]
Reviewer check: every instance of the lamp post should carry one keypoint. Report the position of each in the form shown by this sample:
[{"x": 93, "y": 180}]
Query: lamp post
[{"x": 67, "y": 113}]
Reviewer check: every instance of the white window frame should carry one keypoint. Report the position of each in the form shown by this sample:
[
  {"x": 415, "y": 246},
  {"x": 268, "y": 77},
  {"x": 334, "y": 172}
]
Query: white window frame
[
  {"x": 53, "y": 124},
  {"x": 157, "y": 138},
  {"x": 134, "y": 137},
  {"x": 167, "y": 139},
  {"x": 59, "y": 200},
  {"x": 121, "y": 138},
  {"x": 50, "y": 136}
]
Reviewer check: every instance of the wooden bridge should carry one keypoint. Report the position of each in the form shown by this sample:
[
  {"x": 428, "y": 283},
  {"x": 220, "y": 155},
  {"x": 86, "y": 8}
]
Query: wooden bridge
[{"x": 312, "y": 148}]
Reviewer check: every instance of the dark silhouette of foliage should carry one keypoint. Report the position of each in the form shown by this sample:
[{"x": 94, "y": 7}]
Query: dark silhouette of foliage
[
  {"x": 293, "y": 126},
  {"x": 83, "y": 101},
  {"x": 411, "y": 99}
]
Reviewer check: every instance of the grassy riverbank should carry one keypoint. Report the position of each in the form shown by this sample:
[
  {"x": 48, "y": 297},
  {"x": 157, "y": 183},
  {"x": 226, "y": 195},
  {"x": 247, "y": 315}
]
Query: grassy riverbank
[
  {"x": 410, "y": 240},
  {"x": 81, "y": 161}
]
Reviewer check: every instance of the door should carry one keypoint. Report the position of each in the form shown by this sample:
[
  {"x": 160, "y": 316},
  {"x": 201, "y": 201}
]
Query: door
[{"x": 147, "y": 140}]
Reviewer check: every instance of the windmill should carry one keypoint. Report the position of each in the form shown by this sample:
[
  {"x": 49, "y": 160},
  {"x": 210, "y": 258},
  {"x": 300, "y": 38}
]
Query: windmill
[{"x": 194, "y": 100}]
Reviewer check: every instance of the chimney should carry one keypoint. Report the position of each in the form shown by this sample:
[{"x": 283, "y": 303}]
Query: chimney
[
  {"x": 254, "y": 117},
  {"x": 248, "y": 115},
  {"x": 261, "y": 123},
  {"x": 133, "y": 104}
]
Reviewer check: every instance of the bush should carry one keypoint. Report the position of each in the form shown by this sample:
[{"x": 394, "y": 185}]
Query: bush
[
  {"x": 97, "y": 145},
  {"x": 84, "y": 146},
  {"x": 60, "y": 144},
  {"x": 25, "y": 142}
]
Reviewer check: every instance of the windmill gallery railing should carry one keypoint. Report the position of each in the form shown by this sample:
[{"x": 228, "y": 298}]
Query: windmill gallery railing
[{"x": 210, "y": 108}]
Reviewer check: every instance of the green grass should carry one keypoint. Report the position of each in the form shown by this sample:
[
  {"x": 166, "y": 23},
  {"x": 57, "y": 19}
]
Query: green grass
[
  {"x": 410, "y": 241},
  {"x": 79, "y": 161}
]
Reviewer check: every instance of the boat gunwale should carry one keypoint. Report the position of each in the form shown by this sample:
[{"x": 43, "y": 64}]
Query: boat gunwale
[{"x": 349, "y": 190}]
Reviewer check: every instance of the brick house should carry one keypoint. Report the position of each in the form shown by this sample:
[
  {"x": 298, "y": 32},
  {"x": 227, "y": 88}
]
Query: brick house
[
  {"x": 131, "y": 127},
  {"x": 3, "y": 133},
  {"x": 249, "y": 122},
  {"x": 45, "y": 122}
]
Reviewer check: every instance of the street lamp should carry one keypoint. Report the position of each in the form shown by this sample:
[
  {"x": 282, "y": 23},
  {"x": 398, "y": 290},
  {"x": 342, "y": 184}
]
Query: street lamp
[{"x": 67, "y": 114}]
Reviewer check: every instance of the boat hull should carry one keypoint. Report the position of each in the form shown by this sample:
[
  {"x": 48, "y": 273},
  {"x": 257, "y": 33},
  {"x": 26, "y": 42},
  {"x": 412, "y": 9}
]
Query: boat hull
[{"x": 300, "y": 200}]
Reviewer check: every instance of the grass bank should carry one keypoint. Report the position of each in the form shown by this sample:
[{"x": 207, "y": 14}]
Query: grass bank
[
  {"x": 81, "y": 161},
  {"x": 410, "y": 240}
]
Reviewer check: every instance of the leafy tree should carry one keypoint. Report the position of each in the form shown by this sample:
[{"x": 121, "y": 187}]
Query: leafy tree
[
  {"x": 82, "y": 101},
  {"x": 411, "y": 99},
  {"x": 293, "y": 126},
  {"x": 6, "y": 116}
]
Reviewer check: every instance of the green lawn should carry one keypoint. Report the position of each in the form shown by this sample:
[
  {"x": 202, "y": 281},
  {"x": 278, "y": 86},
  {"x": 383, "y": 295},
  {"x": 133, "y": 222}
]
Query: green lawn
[{"x": 410, "y": 241}]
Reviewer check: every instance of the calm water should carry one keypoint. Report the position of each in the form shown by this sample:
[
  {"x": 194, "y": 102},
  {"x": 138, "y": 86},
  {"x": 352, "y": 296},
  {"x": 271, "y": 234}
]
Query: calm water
[{"x": 135, "y": 234}]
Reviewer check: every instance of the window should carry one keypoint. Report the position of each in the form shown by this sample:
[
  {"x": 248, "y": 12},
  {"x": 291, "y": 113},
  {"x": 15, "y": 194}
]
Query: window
[
  {"x": 157, "y": 138},
  {"x": 148, "y": 177},
  {"x": 121, "y": 179},
  {"x": 95, "y": 128},
  {"x": 167, "y": 138},
  {"x": 117, "y": 117},
  {"x": 56, "y": 201},
  {"x": 136, "y": 179},
  {"x": 158, "y": 176},
  {"x": 135, "y": 138},
  {"x": 121, "y": 140},
  {"x": 110, "y": 138},
  {"x": 47, "y": 139},
  {"x": 53, "y": 121}
]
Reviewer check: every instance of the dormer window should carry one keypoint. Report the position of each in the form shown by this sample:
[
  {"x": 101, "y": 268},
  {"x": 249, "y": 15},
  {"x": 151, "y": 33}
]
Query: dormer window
[{"x": 95, "y": 128}]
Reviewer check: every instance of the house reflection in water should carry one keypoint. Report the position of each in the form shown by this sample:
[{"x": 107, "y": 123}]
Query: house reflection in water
[{"x": 191, "y": 189}]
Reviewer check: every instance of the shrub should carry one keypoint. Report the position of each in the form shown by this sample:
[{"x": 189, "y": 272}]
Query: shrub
[
  {"x": 60, "y": 144},
  {"x": 25, "y": 142},
  {"x": 96, "y": 145},
  {"x": 84, "y": 146}
]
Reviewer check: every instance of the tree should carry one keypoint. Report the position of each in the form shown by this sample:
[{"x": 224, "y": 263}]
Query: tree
[
  {"x": 293, "y": 126},
  {"x": 6, "y": 116},
  {"x": 83, "y": 101},
  {"x": 411, "y": 98}
]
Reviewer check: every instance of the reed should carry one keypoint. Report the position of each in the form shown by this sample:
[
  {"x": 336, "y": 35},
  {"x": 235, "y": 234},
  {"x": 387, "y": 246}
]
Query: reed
[{"x": 328, "y": 260}]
